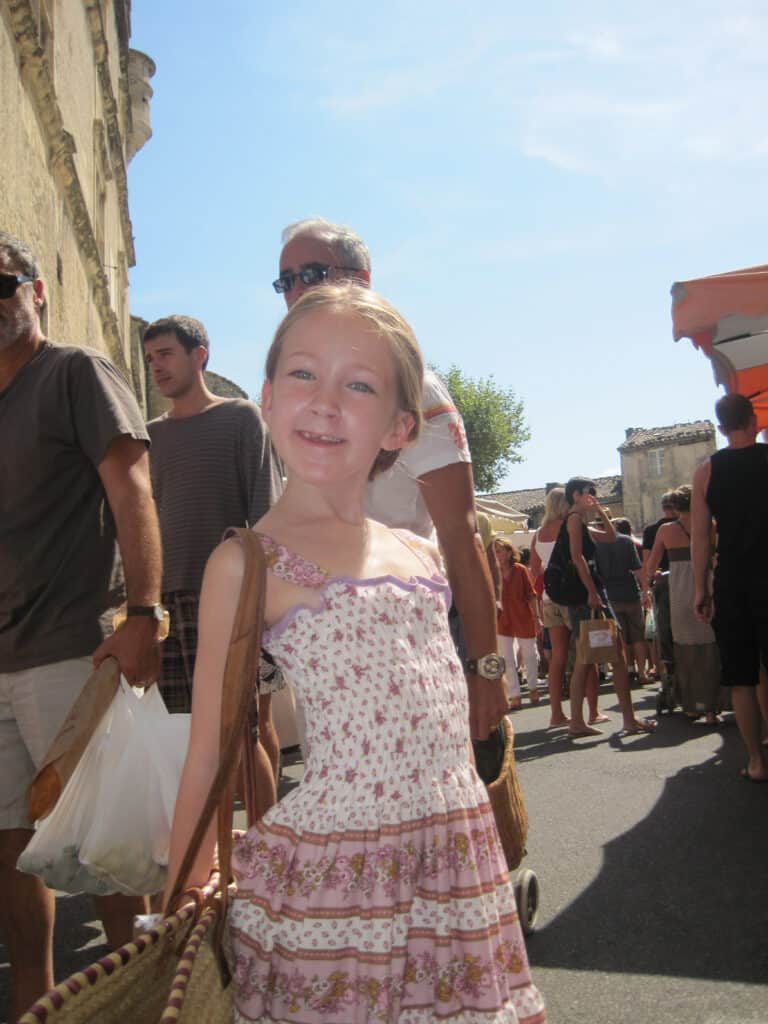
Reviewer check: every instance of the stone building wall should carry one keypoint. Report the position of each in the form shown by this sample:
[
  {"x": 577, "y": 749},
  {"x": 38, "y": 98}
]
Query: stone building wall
[
  {"x": 73, "y": 109},
  {"x": 663, "y": 464}
]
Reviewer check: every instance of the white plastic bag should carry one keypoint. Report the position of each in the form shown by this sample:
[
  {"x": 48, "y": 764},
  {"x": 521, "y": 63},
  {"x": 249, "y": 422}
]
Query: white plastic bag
[{"x": 110, "y": 830}]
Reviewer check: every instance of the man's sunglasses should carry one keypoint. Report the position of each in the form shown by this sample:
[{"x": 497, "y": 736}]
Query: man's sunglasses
[
  {"x": 10, "y": 282},
  {"x": 314, "y": 273},
  {"x": 592, "y": 491}
]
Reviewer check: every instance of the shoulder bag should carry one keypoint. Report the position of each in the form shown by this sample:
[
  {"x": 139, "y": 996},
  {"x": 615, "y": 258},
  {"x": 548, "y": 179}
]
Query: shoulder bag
[{"x": 561, "y": 580}]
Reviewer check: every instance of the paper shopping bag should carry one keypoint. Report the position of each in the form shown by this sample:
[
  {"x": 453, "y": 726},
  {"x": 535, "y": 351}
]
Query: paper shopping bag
[{"x": 597, "y": 641}]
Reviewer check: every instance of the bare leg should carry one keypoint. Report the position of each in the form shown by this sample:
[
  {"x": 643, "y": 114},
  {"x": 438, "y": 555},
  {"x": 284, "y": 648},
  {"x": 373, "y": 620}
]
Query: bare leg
[
  {"x": 639, "y": 650},
  {"x": 592, "y": 690},
  {"x": 621, "y": 687},
  {"x": 268, "y": 734},
  {"x": 748, "y": 720},
  {"x": 762, "y": 697},
  {"x": 578, "y": 726},
  {"x": 26, "y": 922},
  {"x": 559, "y": 637},
  {"x": 650, "y": 655},
  {"x": 116, "y": 914}
]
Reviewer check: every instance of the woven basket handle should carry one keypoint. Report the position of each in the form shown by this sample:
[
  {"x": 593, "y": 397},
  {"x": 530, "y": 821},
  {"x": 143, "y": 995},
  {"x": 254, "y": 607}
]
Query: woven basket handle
[{"x": 237, "y": 717}]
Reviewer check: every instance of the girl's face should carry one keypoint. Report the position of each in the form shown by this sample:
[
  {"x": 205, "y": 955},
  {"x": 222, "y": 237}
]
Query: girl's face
[{"x": 332, "y": 403}]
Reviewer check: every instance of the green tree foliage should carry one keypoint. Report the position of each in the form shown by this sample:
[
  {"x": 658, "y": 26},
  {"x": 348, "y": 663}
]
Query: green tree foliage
[{"x": 494, "y": 418}]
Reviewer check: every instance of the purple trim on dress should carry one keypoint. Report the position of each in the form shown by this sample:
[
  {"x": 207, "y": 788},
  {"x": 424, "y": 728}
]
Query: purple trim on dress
[{"x": 436, "y": 583}]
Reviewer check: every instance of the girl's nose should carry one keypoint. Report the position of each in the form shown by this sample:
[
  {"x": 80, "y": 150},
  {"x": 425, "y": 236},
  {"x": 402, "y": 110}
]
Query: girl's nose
[{"x": 325, "y": 400}]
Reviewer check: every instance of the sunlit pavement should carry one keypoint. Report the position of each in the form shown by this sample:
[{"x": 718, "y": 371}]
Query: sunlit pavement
[{"x": 652, "y": 859}]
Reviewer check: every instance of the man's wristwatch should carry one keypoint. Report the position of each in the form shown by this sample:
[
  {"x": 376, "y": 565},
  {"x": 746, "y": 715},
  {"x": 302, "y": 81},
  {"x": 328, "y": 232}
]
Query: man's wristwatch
[
  {"x": 490, "y": 666},
  {"x": 155, "y": 611}
]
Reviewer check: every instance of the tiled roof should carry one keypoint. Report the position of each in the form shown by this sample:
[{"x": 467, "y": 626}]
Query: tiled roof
[
  {"x": 678, "y": 433},
  {"x": 529, "y": 502}
]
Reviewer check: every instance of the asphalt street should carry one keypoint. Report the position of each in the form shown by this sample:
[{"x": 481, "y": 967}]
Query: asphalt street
[{"x": 652, "y": 859}]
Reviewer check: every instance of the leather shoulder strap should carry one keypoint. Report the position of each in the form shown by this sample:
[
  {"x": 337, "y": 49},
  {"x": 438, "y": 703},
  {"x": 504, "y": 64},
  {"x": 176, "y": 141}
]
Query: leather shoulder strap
[{"x": 237, "y": 706}]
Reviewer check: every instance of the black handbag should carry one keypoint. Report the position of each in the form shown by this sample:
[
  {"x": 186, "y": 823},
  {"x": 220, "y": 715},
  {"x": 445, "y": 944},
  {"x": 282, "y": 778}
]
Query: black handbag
[{"x": 562, "y": 582}]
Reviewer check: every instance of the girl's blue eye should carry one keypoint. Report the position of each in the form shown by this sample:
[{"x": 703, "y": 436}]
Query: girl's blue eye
[
  {"x": 360, "y": 385},
  {"x": 301, "y": 374}
]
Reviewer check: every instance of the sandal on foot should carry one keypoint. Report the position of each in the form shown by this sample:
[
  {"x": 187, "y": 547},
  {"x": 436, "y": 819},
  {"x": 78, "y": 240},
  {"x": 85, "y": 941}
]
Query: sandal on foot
[
  {"x": 746, "y": 774},
  {"x": 575, "y": 734},
  {"x": 647, "y": 725}
]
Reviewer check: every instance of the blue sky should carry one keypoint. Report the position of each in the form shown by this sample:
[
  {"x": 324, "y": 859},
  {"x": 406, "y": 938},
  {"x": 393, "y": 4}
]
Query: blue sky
[{"x": 530, "y": 184}]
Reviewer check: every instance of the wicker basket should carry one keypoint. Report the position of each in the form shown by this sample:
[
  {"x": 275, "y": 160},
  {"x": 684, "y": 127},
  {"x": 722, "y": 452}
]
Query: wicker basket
[
  {"x": 507, "y": 804},
  {"x": 131, "y": 984}
]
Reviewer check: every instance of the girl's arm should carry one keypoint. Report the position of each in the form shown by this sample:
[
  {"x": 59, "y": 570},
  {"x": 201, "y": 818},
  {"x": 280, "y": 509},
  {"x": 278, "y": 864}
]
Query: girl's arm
[{"x": 218, "y": 603}]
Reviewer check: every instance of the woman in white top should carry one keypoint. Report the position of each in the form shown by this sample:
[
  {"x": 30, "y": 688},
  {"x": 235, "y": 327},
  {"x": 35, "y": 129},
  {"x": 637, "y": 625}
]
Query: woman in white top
[{"x": 554, "y": 617}]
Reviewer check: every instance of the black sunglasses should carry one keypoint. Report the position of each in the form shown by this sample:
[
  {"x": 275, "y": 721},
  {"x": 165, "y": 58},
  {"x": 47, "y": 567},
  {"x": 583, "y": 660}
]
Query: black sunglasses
[
  {"x": 313, "y": 273},
  {"x": 592, "y": 491},
  {"x": 10, "y": 282}
]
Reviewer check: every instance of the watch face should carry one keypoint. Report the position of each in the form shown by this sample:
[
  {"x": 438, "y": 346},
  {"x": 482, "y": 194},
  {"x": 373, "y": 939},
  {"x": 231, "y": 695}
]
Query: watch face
[{"x": 492, "y": 665}]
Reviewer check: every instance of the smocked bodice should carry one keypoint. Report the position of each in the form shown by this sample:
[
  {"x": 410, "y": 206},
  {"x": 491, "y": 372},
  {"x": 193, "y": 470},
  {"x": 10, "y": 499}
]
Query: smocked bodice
[{"x": 377, "y": 674}]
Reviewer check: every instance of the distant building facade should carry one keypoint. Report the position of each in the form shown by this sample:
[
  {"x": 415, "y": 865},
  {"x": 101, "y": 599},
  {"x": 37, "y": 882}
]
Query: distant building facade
[
  {"x": 74, "y": 109},
  {"x": 653, "y": 460},
  {"x": 659, "y": 459}
]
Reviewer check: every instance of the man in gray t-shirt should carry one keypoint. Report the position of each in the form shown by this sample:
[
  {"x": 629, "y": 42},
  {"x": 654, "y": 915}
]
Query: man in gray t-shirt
[
  {"x": 212, "y": 467},
  {"x": 74, "y": 487},
  {"x": 618, "y": 564}
]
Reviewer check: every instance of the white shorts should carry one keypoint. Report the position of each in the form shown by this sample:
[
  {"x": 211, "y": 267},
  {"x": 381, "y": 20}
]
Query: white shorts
[{"x": 33, "y": 704}]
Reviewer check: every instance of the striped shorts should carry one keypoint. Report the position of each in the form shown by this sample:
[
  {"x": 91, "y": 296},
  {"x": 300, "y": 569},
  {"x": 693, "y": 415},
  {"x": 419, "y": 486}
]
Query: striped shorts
[{"x": 178, "y": 651}]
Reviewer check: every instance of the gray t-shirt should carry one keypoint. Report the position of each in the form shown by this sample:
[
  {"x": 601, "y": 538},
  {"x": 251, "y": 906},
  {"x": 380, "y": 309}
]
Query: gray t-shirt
[
  {"x": 209, "y": 471},
  {"x": 616, "y": 563},
  {"x": 60, "y": 573}
]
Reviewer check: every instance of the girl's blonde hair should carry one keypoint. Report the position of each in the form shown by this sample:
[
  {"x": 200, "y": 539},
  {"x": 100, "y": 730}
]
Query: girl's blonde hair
[
  {"x": 350, "y": 298},
  {"x": 555, "y": 506}
]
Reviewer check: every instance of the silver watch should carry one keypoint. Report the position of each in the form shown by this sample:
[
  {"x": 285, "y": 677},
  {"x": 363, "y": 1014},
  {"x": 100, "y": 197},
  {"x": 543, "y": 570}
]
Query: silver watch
[{"x": 490, "y": 666}]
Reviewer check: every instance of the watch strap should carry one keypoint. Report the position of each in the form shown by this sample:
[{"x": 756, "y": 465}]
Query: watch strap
[{"x": 142, "y": 609}]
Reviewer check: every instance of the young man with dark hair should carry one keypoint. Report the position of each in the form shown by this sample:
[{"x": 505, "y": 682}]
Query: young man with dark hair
[
  {"x": 731, "y": 487},
  {"x": 212, "y": 467},
  {"x": 583, "y": 537}
]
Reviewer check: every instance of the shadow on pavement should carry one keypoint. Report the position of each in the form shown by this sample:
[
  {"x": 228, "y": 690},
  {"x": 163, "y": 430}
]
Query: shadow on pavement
[{"x": 685, "y": 891}]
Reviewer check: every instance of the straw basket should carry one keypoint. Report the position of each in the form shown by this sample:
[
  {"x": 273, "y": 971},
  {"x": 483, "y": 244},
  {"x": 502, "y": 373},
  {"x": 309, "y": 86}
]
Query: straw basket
[
  {"x": 130, "y": 984},
  {"x": 507, "y": 803}
]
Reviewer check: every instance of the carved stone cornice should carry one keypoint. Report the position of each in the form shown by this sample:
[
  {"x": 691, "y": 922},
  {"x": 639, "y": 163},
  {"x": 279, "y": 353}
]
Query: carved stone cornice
[
  {"x": 38, "y": 79},
  {"x": 112, "y": 120}
]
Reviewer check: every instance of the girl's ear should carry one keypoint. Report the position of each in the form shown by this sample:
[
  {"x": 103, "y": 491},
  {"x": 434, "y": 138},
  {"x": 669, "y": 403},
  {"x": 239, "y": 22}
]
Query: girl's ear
[
  {"x": 399, "y": 433},
  {"x": 266, "y": 400}
]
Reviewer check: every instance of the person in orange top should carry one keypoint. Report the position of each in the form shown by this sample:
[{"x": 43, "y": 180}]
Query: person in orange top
[{"x": 518, "y": 621}]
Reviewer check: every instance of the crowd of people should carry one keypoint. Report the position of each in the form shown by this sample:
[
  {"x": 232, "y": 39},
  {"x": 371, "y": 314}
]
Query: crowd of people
[
  {"x": 354, "y": 471},
  {"x": 391, "y": 818}
]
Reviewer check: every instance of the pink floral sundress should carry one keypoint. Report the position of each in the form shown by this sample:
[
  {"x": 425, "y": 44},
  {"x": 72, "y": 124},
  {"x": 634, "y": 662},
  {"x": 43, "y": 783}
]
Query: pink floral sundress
[{"x": 377, "y": 889}]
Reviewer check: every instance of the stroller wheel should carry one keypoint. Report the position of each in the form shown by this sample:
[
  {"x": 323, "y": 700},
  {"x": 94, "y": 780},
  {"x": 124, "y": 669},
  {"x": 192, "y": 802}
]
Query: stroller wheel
[{"x": 527, "y": 897}]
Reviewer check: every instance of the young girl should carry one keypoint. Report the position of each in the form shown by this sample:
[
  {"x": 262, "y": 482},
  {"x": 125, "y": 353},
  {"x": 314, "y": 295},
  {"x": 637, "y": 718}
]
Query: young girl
[{"x": 376, "y": 890}]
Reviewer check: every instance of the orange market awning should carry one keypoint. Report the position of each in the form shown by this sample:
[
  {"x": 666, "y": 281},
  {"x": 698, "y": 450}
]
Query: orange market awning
[{"x": 726, "y": 316}]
